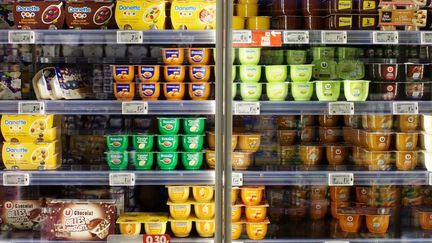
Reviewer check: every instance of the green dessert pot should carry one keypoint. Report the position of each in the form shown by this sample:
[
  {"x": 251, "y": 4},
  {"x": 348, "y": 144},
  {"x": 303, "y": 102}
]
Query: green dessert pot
[
  {"x": 301, "y": 73},
  {"x": 142, "y": 160},
  {"x": 296, "y": 57},
  {"x": 194, "y": 125},
  {"x": 276, "y": 73},
  {"x": 192, "y": 160},
  {"x": 327, "y": 90},
  {"x": 323, "y": 53},
  {"x": 356, "y": 90},
  {"x": 168, "y": 143},
  {"x": 117, "y": 143},
  {"x": 302, "y": 91},
  {"x": 167, "y": 161},
  {"x": 192, "y": 143},
  {"x": 249, "y": 56},
  {"x": 117, "y": 160},
  {"x": 168, "y": 126},
  {"x": 271, "y": 56},
  {"x": 143, "y": 142},
  {"x": 277, "y": 91},
  {"x": 250, "y": 73},
  {"x": 324, "y": 69},
  {"x": 250, "y": 91}
]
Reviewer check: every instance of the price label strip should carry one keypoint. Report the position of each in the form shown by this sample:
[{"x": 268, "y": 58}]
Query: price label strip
[
  {"x": 341, "y": 179},
  {"x": 16, "y": 179},
  {"x": 21, "y": 37},
  {"x": 334, "y": 37},
  {"x": 430, "y": 178},
  {"x": 296, "y": 37},
  {"x": 122, "y": 179},
  {"x": 237, "y": 179},
  {"x": 247, "y": 108},
  {"x": 341, "y": 108},
  {"x": 130, "y": 37},
  {"x": 134, "y": 108},
  {"x": 405, "y": 108},
  {"x": 31, "y": 107},
  {"x": 386, "y": 37},
  {"x": 156, "y": 238},
  {"x": 242, "y": 37},
  {"x": 426, "y": 38},
  {"x": 337, "y": 241}
]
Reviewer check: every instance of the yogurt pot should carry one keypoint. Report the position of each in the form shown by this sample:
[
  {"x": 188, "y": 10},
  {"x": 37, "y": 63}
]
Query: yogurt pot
[
  {"x": 199, "y": 91},
  {"x": 123, "y": 73},
  {"x": 302, "y": 91},
  {"x": 203, "y": 194},
  {"x": 192, "y": 160},
  {"x": 168, "y": 125},
  {"x": 198, "y": 56},
  {"x": 250, "y": 91},
  {"x": 252, "y": 196},
  {"x": 257, "y": 230},
  {"x": 327, "y": 90},
  {"x": 173, "y": 56},
  {"x": 276, "y": 73},
  {"x": 180, "y": 211},
  {"x": 194, "y": 125},
  {"x": 356, "y": 90},
  {"x": 277, "y": 91},
  {"x": 205, "y": 228},
  {"x": 296, "y": 57},
  {"x": 250, "y": 73},
  {"x": 174, "y": 91},
  {"x": 178, "y": 194},
  {"x": 149, "y": 91},
  {"x": 249, "y": 56},
  {"x": 181, "y": 228},
  {"x": 142, "y": 160},
  {"x": 150, "y": 73},
  {"x": 256, "y": 213},
  {"x": 204, "y": 211},
  {"x": 167, "y": 160},
  {"x": 301, "y": 73},
  {"x": 199, "y": 73},
  {"x": 124, "y": 91},
  {"x": 168, "y": 143},
  {"x": 174, "y": 73}
]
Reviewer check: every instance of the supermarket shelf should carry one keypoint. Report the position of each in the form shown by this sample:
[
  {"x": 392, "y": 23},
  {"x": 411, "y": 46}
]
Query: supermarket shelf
[
  {"x": 321, "y": 177},
  {"x": 113, "y": 107},
  {"x": 201, "y": 177},
  {"x": 110, "y": 36},
  {"x": 321, "y": 108}
]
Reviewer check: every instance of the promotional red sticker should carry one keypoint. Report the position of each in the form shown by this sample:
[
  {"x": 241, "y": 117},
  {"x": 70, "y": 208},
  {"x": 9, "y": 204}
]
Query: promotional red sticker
[{"x": 156, "y": 238}]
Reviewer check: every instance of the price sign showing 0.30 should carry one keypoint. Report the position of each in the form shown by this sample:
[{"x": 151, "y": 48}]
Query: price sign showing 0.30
[{"x": 156, "y": 238}]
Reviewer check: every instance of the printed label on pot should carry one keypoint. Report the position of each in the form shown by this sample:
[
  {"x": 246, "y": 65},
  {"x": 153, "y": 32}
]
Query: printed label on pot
[
  {"x": 344, "y": 4},
  {"x": 147, "y": 72},
  {"x": 198, "y": 72},
  {"x": 148, "y": 89},
  {"x": 197, "y": 55},
  {"x": 198, "y": 89},
  {"x": 172, "y": 54},
  {"x": 192, "y": 159}
]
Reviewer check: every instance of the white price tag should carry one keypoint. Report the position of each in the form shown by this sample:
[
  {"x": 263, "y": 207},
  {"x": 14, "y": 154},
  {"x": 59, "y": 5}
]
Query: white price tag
[
  {"x": 129, "y": 37},
  {"x": 337, "y": 241},
  {"x": 430, "y": 179},
  {"x": 16, "y": 179},
  {"x": 334, "y": 37},
  {"x": 21, "y": 37},
  {"x": 31, "y": 107},
  {"x": 237, "y": 179},
  {"x": 385, "y": 37},
  {"x": 122, "y": 179},
  {"x": 242, "y": 36},
  {"x": 134, "y": 108},
  {"x": 341, "y": 108},
  {"x": 247, "y": 108},
  {"x": 341, "y": 179},
  {"x": 426, "y": 38},
  {"x": 296, "y": 37},
  {"x": 405, "y": 108}
]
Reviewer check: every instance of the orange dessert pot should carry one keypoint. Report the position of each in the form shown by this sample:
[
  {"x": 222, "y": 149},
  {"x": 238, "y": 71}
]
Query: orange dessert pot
[{"x": 252, "y": 195}]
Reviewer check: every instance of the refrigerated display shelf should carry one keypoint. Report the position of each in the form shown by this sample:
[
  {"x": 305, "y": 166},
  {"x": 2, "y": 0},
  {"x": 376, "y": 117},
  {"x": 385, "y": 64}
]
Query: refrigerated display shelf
[
  {"x": 322, "y": 108},
  {"x": 203, "y": 177},
  {"x": 113, "y": 107},
  {"x": 275, "y": 178},
  {"x": 157, "y": 37}
]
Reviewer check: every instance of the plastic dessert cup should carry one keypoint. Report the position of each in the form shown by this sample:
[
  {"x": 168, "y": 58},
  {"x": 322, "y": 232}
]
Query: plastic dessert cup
[
  {"x": 250, "y": 91},
  {"x": 356, "y": 90},
  {"x": 250, "y": 73},
  {"x": 277, "y": 91},
  {"x": 327, "y": 90},
  {"x": 301, "y": 73},
  {"x": 192, "y": 160},
  {"x": 302, "y": 91},
  {"x": 276, "y": 73},
  {"x": 249, "y": 56}
]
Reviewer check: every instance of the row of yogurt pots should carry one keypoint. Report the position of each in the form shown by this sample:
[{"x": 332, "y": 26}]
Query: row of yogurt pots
[{"x": 354, "y": 90}]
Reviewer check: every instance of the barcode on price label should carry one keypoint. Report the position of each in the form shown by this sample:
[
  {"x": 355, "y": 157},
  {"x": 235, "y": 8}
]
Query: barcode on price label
[
  {"x": 122, "y": 179},
  {"x": 247, "y": 108},
  {"x": 341, "y": 108},
  {"x": 134, "y": 108},
  {"x": 385, "y": 37},
  {"x": 16, "y": 179},
  {"x": 242, "y": 36},
  {"x": 21, "y": 37},
  {"x": 296, "y": 37},
  {"x": 426, "y": 38},
  {"x": 334, "y": 37},
  {"x": 237, "y": 179},
  {"x": 31, "y": 107},
  {"x": 341, "y": 179},
  {"x": 156, "y": 238},
  {"x": 405, "y": 108},
  {"x": 129, "y": 37}
]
